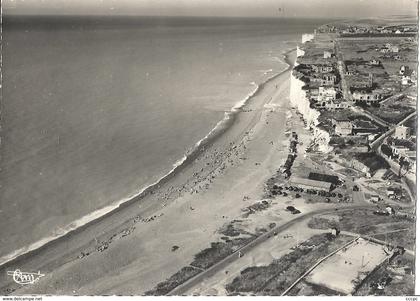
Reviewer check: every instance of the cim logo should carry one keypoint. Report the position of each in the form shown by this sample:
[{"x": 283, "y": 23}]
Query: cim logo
[{"x": 24, "y": 278}]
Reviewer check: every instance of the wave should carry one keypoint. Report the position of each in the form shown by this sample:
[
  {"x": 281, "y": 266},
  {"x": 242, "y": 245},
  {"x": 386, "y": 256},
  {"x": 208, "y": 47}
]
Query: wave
[{"x": 191, "y": 153}]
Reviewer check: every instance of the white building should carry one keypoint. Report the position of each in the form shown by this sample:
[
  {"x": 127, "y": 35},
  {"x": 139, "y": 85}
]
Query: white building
[
  {"x": 326, "y": 94},
  {"x": 369, "y": 98},
  {"x": 402, "y": 132},
  {"x": 327, "y": 54}
]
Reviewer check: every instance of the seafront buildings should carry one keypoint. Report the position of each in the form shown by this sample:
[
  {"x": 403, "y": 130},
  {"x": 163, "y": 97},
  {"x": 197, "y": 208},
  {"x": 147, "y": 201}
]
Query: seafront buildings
[{"x": 355, "y": 88}]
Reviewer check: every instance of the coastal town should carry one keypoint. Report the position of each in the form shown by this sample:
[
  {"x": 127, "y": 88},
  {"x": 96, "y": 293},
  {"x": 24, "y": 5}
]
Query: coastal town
[
  {"x": 355, "y": 89},
  {"x": 310, "y": 192},
  {"x": 347, "y": 183}
]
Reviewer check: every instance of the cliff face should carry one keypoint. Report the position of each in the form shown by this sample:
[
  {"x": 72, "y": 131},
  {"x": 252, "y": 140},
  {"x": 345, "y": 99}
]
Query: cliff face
[
  {"x": 300, "y": 101},
  {"x": 306, "y": 37},
  {"x": 299, "y": 53}
]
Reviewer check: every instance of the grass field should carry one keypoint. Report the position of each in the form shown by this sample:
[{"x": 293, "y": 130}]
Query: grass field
[
  {"x": 273, "y": 279},
  {"x": 347, "y": 268}
]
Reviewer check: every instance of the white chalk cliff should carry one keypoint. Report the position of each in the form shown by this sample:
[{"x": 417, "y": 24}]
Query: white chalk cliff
[{"x": 300, "y": 101}]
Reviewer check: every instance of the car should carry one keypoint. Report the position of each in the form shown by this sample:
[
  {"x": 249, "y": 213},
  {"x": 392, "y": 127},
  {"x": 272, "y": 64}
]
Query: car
[
  {"x": 355, "y": 188},
  {"x": 290, "y": 208}
]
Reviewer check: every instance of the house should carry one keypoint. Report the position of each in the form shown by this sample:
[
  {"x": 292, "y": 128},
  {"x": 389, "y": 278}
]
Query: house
[
  {"x": 364, "y": 127},
  {"x": 329, "y": 79},
  {"x": 390, "y": 210},
  {"x": 404, "y": 70},
  {"x": 322, "y": 68},
  {"x": 368, "y": 163},
  {"x": 310, "y": 184},
  {"x": 394, "y": 49},
  {"x": 343, "y": 126},
  {"x": 327, "y": 54},
  {"x": 370, "y": 98},
  {"x": 374, "y": 62},
  {"x": 335, "y": 231},
  {"x": 405, "y": 80},
  {"x": 375, "y": 198},
  {"x": 326, "y": 94},
  {"x": 402, "y": 132},
  {"x": 399, "y": 150},
  {"x": 337, "y": 105},
  {"x": 326, "y": 79},
  {"x": 393, "y": 192}
]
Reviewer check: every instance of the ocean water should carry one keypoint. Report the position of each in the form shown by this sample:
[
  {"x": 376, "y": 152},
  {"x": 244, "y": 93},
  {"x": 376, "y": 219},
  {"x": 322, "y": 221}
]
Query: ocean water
[{"x": 95, "y": 109}]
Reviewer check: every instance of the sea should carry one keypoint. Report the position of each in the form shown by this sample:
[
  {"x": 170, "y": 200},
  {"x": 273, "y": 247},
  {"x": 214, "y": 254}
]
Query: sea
[{"x": 95, "y": 109}]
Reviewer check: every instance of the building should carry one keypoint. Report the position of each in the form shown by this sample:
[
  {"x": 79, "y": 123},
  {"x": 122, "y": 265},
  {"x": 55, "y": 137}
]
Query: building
[
  {"x": 343, "y": 126},
  {"x": 370, "y": 98},
  {"x": 327, "y": 54},
  {"x": 326, "y": 79},
  {"x": 329, "y": 79},
  {"x": 399, "y": 150},
  {"x": 374, "y": 62},
  {"x": 404, "y": 70},
  {"x": 394, "y": 49},
  {"x": 306, "y": 37},
  {"x": 375, "y": 198},
  {"x": 310, "y": 184},
  {"x": 368, "y": 163},
  {"x": 391, "y": 191},
  {"x": 326, "y": 94},
  {"x": 335, "y": 180},
  {"x": 402, "y": 132},
  {"x": 365, "y": 127},
  {"x": 405, "y": 80},
  {"x": 337, "y": 105},
  {"x": 322, "y": 68}
]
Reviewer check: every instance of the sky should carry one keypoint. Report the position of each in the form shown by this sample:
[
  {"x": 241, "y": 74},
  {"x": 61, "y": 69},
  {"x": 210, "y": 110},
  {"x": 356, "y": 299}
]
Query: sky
[{"x": 222, "y": 8}]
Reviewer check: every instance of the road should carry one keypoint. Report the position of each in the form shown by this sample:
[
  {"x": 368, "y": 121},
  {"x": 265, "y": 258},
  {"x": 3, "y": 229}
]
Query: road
[
  {"x": 376, "y": 145},
  {"x": 342, "y": 70},
  {"x": 181, "y": 289}
]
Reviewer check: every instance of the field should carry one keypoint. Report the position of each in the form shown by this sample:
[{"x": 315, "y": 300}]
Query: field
[
  {"x": 275, "y": 278},
  {"x": 347, "y": 268}
]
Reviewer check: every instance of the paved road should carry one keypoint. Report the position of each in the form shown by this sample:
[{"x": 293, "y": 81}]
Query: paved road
[
  {"x": 376, "y": 145},
  {"x": 181, "y": 289}
]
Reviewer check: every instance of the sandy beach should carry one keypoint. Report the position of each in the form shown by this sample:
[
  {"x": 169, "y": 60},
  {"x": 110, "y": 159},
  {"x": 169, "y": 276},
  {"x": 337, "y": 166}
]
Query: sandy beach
[{"x": 129, "y": 251}]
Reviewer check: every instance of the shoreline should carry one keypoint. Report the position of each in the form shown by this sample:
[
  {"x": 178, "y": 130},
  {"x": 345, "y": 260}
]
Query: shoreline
[{"x": 190, "y": 156}]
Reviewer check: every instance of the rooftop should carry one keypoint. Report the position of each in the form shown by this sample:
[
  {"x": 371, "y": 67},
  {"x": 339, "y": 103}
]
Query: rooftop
[{"x": 308, "y": 182}]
